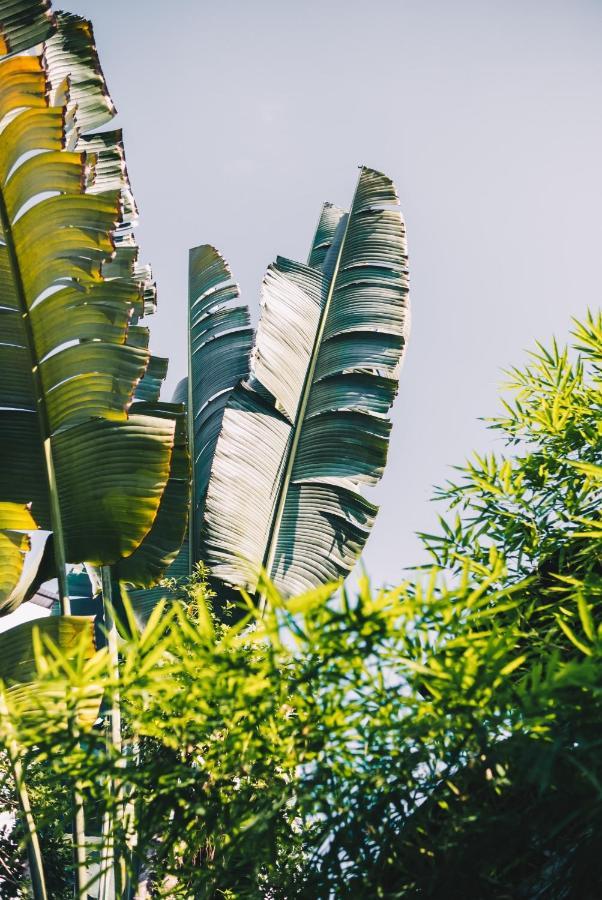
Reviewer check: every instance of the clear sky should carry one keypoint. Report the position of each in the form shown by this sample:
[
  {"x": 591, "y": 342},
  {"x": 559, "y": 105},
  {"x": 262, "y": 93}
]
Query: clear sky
[{"x": 241, "y": 116}]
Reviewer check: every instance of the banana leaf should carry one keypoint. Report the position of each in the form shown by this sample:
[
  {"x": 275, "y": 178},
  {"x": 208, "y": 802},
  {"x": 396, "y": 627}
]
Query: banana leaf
[
  {"x": 24, "y": 23},
  {"x": 20, "y": 655},
  {"x": 15, "y": 523},
  {"x": 220, "y": 341},
  {"x": 309, "y": 427},
  {"x": 71, "y": 287}
]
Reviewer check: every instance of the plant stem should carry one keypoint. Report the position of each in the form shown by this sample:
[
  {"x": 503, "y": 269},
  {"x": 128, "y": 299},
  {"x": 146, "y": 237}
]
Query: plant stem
[
  {"x": 106, "y": 885},
  {"x": 190, "y": 424},
  {"x": 34, "y": 852},
  {"x": 79, "y": 846},
  {"x": 115, "y": 857}
]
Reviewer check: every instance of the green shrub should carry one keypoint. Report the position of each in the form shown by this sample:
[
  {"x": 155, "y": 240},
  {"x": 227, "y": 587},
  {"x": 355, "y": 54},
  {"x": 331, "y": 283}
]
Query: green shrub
[{"x": 438, "y": 739}]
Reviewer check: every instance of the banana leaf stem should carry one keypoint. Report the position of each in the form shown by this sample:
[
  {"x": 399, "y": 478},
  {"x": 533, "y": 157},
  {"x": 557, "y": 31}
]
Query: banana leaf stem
[
  {"x": 115, "y": 855},
  {"x": 80, "y": 868},
  {"x": 106, "y": 885}
]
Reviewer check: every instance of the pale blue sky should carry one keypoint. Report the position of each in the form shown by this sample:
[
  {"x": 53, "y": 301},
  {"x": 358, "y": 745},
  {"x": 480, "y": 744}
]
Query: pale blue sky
[{"x": 242, "y": 116}]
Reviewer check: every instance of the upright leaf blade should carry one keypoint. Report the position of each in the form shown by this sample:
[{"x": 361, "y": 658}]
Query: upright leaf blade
[
  {"x": 326, "y": 232},
  {"x": 220, "y": 339},
  {"x": 310, "y": 425},
  {"x": 161, "y": 545},
  {"x": 23, "y": 24},
  {"x": 70, "y": 287}
]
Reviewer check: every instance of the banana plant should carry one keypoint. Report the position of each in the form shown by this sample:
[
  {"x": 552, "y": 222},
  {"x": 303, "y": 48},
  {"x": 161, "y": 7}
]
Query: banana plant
[
  {"x": 286, "y": 428},
  {"x": 285, "y": 435},
  {"x": 85, "y": 440},
  {"x": 93, "y": 463}
]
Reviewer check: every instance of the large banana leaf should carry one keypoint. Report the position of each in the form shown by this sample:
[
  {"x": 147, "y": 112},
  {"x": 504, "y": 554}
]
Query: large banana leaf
[
  {"x": 24, "y": 23},
  {"x": 70, "y": 289},
  {"x": 161, "y": 545},
  {"x": 220, "y": 340},
  {"x": 17, "y": 646},
  {"x": 164, "y": 551},
  {"x": 73, "y": 70},
  {"x": 309, "y": 426},
  {"x": 17, "y": 583},
  {"x": 328, "y": 224},
  {"x": 15, "y": 523}
]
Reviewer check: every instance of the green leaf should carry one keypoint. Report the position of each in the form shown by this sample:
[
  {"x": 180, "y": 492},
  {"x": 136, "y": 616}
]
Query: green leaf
[
  {"x": 71, "y": 288},
  {"x": 24, "y": 23},
  {"x": 28, "y": 650},
  {"x": 585, "y": 616},
  {"x": 70, "y": 55},
  {"x": 149, "y": 387},
  {"x": 513, "y": 664},
  {"x": 15, "y": 521},
  {"x": 326, "y": 230},
  {"x": 111, "y": 477},
  {"x": 161, "y": 545},
  {"x": 220, "y": 338},
  {"x": 17, "y": 646},
  {"x": 573, "y": 637},
  {"x": 310, "y": 426}
]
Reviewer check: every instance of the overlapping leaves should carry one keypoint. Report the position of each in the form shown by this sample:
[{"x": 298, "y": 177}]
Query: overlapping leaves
[{"x": 71, "y": 292}]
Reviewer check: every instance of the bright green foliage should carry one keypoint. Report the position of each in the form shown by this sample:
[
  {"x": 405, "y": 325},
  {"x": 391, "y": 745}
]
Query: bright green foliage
[
  {"x": 440, "y": 739},
  {"x": 540, "y": 503}
]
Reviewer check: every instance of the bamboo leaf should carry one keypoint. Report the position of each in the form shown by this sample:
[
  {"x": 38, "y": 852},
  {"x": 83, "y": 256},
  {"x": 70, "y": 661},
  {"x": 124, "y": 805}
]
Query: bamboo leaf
[{"x": 573, "y": 637}]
